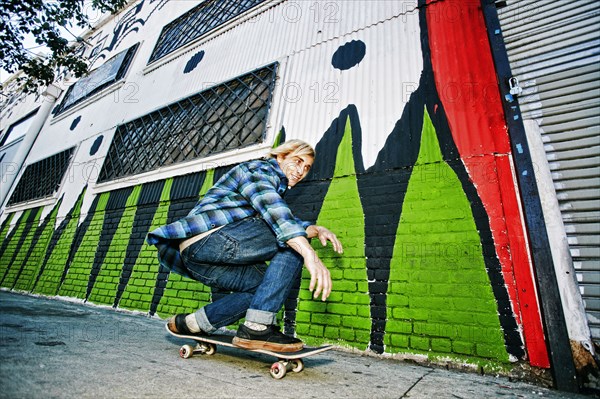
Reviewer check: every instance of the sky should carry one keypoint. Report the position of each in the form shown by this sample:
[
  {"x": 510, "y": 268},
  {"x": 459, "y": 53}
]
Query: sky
[{"x": 29, "y": 41}]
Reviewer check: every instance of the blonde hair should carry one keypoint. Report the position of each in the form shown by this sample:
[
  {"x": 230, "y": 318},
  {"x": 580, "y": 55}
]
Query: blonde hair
[{"x": 292, "y": 147}]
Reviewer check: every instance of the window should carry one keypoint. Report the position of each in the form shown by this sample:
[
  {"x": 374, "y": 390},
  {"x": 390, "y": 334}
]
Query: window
[
  {"x": 105, "y": 75},
  {"x": 228, "y": 116},
  {"x": 42, "y": 179},
  {"x": 196, "y": 22},
  {"x": 17, "y": 129}
]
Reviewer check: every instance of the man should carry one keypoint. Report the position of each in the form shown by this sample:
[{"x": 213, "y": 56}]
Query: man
[{"x": 241, "y": 223}]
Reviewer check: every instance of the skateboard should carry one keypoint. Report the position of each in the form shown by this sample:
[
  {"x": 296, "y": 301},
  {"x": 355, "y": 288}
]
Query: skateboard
[{"x": 286, "y": 361}]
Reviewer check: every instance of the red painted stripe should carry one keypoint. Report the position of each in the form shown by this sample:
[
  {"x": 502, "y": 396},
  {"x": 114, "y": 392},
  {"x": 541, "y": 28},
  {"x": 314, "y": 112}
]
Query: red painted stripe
[{"x": 466, "y": 82}]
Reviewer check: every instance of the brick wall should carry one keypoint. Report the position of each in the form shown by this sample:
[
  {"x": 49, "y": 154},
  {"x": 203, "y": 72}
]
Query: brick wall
[{"x": 414, "y": 276}]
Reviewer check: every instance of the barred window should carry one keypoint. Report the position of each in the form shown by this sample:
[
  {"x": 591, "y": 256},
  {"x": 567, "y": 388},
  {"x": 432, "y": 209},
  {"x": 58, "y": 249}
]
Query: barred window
[
  {"x": 17, "y": 129},
  {"x": 196, "y": 22},
  {"x": 42, "y": 179},
  {"x": 100, "y": 78},
  {"x": 228, "y": 116}
]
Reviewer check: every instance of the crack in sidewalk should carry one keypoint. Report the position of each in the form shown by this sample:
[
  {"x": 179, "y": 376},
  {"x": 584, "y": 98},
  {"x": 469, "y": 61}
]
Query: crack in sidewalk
[{"x": 406, "y": 394}]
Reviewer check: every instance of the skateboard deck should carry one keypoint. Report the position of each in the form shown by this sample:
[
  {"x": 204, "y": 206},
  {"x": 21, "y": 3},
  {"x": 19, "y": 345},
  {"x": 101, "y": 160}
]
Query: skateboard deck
[{"x": 287, "y": 361}]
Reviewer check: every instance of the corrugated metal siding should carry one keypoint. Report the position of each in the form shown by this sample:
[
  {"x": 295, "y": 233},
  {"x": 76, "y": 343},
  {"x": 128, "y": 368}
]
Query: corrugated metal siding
[
  {"x": 312, "y": 86},
  {"x": 554, "y": 51}
]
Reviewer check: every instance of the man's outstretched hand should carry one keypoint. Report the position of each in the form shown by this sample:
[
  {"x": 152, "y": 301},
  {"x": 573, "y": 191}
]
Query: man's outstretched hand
[
  {"x": 325, "y": 235},
  {"x": 320, "y": 278}
]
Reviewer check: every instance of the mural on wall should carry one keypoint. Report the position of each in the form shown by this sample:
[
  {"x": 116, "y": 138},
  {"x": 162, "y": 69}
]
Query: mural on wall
[
  {"x": 129, "y": 23},
  {"x": 433, "y": 252}
]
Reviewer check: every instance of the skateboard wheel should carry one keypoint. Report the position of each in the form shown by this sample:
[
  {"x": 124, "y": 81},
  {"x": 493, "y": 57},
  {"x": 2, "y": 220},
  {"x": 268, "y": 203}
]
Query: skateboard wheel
[
  {"x": 278, "y": 370},
  {"x": 297, "y": 365},
  {"x": 186, "y": 351},
  {"x": 210, "y": 350}
]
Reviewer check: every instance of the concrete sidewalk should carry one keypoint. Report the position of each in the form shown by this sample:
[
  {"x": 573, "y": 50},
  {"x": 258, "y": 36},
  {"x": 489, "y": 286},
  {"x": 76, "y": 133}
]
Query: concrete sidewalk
[{"x": 53, "y": 348}]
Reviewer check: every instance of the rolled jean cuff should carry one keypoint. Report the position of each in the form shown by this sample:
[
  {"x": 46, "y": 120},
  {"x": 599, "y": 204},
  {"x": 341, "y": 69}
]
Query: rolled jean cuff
[
  {"x": 203, "y": 322},
  {"x": 261, "y": 317}
]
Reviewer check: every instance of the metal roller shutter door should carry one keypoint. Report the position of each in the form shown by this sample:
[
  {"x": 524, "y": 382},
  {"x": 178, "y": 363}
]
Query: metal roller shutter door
[{"x": 554, "y": 51}]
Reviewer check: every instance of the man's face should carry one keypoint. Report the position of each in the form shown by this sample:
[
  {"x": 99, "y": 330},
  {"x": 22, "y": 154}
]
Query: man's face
[{"x": 295, "y": 167}]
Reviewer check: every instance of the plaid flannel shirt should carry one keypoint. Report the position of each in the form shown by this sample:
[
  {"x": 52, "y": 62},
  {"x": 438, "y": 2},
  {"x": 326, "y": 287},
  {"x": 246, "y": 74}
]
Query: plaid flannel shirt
[{"x": 253, "y": 188}]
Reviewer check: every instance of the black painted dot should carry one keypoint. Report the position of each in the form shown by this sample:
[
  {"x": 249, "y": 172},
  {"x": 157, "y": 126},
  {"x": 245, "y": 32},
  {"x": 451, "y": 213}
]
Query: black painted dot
[
  {"x": 349, "y": 55},
  {"x": 75, "y": 123},
  {"x": 96, "y": 145},
  {"x": 193, "y": 62}
]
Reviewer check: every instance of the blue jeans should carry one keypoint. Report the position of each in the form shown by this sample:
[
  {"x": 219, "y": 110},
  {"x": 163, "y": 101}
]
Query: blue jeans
[{"x": 234, "y": 259}]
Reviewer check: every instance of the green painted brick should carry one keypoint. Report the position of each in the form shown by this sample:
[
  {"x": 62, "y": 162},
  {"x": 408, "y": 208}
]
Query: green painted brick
[
  {"x": 464, "y": 348},
  {"x": 428, "y": 277},
  {"x": 362, "y": 299},
  {"x": 484, "y": 306},
  {"x": 363, "y": 311},
  {"x": 326, "y": 319},
  {"x": 332, "y": 332},
  {"x": 336, "y": 274},
  {"x": 347, "y": 334},
  {"x": 312, "y": 306},
  {"x": 397, "y": 300},
  {"x": 302, "y": 329},
  {"x": 489, "y": 335},
  {"x": 335, "y": 297},
  {"x": 398, "y": 340},
  {"x": 362, "y": 286},
  {"x": 346, "y": 286},
  {"x": 491, "y": 351},
  {"x": 417, "y": 289},
  {"x": 421, "y": 343},
  {"x": 179, "y": 285},
  {"x": 418, "y": 302},
  {"x": 185, "y": 294},
  {"x": 354, "y": 275},
  {"x": 175, "y": 302},
  {"x": 363, "y": 337},
  {"x": 302, "y": 317},
  {"x": 356, "y": 322},
  {"x": 191, "y": 305},
  {"x": 395, "y": 326},
  {"x": 441, "y": 345},
  {"x": 316, "y": 330},
  {"x": 341, "y": 309},
  {"x": 410, "y": 314},
  {"x": 305, "y": 294}
]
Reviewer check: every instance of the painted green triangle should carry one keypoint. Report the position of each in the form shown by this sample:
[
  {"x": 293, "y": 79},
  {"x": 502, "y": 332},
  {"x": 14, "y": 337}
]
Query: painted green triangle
[
  {"x": 341, "y": 213},
  {"x": 344, "y": 161},
  {"x": 440, "y": 297},
  {"x": 278, "y": 139},
  {"x": 108, "y": 278},
  {"x": 208, "y": 182},
  {"x": 430, "y": 151},
  {"x": 49, "y": 281}
]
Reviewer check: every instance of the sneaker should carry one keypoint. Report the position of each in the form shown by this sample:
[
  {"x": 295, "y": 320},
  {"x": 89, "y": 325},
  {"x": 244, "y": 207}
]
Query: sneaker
[
  {"x": 176, "y": 325},
  {"x": 270, "y": 339}
]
